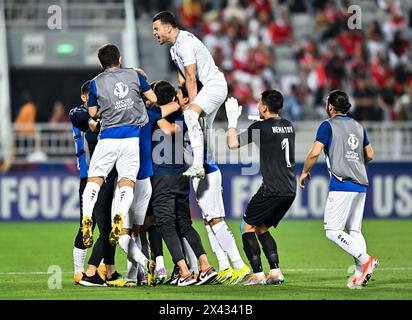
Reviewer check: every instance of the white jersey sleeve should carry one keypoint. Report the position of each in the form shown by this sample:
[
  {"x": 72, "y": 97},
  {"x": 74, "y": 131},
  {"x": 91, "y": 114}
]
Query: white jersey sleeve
[
  {"x": 188, "y": 50},
  {"x": 187, "y": 54}
]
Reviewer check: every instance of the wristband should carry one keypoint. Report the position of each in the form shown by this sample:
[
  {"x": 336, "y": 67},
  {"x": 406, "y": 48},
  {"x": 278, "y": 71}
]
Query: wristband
[{"x": 232, "y": 123}]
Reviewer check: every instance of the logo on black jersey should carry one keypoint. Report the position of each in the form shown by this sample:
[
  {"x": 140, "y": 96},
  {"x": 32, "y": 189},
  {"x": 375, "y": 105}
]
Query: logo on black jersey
[{"x": 121, "y": 90}]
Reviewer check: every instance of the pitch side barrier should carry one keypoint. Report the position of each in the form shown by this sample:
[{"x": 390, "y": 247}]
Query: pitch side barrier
[{"x": 50, "y": 192}]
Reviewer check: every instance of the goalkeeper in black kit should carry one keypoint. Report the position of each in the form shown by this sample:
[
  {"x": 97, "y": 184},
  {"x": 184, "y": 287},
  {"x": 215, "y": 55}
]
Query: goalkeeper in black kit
[{"x": 276, "y": 139}]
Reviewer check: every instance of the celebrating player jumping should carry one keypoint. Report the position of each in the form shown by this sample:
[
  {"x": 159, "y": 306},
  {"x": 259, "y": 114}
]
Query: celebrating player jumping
[{"x": 196, "y": 68}]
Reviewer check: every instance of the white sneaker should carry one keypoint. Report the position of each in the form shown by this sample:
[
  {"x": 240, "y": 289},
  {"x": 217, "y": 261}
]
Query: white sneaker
[
  {"x": 195, "y": 171},
  {"x": 275, "y": 277}
]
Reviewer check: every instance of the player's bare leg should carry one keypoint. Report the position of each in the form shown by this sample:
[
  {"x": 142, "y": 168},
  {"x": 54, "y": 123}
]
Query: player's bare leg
[
  {"x": 191, "y": 115},
  {"x": 186, "y": 278},
  {"x": 207, "y": 273}
]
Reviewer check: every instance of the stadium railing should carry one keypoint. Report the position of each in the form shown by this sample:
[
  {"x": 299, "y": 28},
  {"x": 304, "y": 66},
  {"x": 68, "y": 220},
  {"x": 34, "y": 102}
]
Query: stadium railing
[
  {"x": 78, "y": 14},
  {"x": 53, "y": 143}
]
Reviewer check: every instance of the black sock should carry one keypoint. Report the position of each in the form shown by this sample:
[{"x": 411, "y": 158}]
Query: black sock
[
  {"x": 155, "y": 239},
  {"x": 252, "y": 250},
  {"x": 270, "y": 249},
  {"x": 78, "y": 242}
]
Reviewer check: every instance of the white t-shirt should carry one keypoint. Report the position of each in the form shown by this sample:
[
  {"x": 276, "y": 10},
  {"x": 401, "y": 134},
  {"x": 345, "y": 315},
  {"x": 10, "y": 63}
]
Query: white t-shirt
[{"x": 189, "y": 50}]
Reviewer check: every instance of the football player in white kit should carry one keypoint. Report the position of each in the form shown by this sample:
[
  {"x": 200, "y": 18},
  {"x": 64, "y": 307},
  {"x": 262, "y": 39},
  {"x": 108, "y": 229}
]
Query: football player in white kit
[
  {"x": 347, "y": 149},
  {"x": 196, "y": 67},
  {"x": 208, "y": 193}
]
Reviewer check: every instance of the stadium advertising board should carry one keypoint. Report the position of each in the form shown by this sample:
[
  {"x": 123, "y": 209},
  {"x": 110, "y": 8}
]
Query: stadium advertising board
[{"x": 52, "y": 193}]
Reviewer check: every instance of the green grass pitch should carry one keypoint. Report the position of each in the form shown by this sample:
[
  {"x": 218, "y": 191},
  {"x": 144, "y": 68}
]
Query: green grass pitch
[{"x": 314, "y": 267}]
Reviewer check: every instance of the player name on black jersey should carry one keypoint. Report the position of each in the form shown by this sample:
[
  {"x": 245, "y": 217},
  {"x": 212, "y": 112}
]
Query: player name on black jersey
[{"x": 282, "y": 129}]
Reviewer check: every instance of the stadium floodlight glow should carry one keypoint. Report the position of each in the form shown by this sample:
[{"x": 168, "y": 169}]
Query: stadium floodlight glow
[{"x": 65, "y": 48}]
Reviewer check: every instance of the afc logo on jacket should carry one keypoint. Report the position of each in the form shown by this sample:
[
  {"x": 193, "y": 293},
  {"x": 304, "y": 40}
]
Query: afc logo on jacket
[{"x": 121, "y": 90}]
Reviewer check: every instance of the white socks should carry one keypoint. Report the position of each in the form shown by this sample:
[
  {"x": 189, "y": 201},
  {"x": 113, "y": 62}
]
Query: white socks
[
  {"x": 228, "y": 244},
  {"x": 160, "y": 263},
  {"x": 361, "y": 241},
  {"x": 130, "y": 248},
  {"x": 89, "y": 198},
  {"x": 348, "y": 244},
  {"x": 131, "y": 268},
  {"x": 217, "y": 249},
  {"x": 79, "y": 255},
  {"x": 195, "y": 135},
  {"x": 124, "y": 199},
  {"x": 193, "y": 267}
]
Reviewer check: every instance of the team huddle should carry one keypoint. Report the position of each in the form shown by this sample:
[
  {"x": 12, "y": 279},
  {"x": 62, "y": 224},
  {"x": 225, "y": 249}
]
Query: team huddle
[{"x": 140, "y": 146}]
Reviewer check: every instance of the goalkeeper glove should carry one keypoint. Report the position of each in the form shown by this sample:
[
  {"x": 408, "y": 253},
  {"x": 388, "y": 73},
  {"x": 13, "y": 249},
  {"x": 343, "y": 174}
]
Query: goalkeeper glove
[{"x": 233, "y": 112}]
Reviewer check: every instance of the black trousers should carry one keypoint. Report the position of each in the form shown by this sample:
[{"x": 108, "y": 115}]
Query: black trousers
[
  {"x": 170, "y": 203},
  {"x": 102, "y": 217}
]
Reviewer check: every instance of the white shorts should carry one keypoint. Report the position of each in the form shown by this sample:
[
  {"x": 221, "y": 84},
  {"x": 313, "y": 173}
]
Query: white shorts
[
  {"x": 142, "y": 195},
  {"x": 122, "y": 153},
  {"x": 138, "y": 209},
  {"x": 209, "y": 195},
  {"x": 211, "y": 97},
  {"x": 344, "y": 210}
]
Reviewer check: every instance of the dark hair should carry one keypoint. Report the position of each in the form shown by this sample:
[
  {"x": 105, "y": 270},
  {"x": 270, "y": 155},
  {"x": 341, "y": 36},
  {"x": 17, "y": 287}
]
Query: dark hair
[
  {"x": 184, "y": 90},
  {"x": 85, "y": 87},
  {"x": 166, "y": 17},
  {"x": 273, "y": 99},
  {"x": 165, "y": 92},
  {"x": 339, "y": 101},
  {"x": 152, "y": 85},
  {"x": 109, "y": 55}
]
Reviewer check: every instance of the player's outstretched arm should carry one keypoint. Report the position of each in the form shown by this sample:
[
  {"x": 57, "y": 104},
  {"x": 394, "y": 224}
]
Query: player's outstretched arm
[
  {"x": 232, "y": 139},
  {"x": 233, "y": 111},
  {"x": 310, "y": 162}
]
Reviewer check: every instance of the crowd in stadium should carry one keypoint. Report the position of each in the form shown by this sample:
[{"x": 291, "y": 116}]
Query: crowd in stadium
[{"x": 373, "y": 63}]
